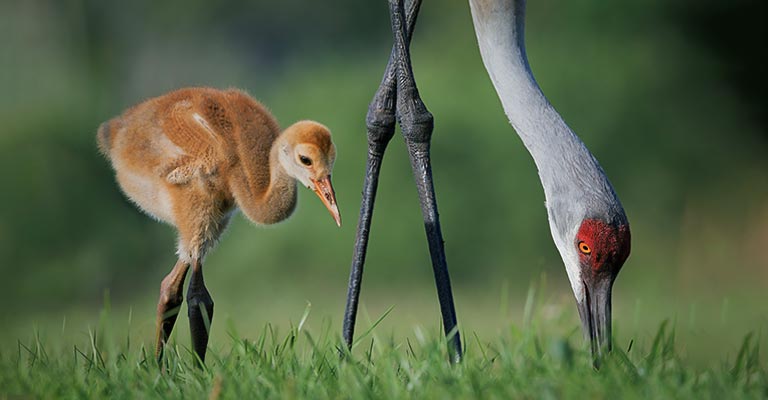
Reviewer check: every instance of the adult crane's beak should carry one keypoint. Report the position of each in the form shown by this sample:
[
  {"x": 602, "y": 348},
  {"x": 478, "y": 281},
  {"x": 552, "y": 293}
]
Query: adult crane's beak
[
  {"x": 595, "y": 313},
  {"x": 324, "y": 190}
]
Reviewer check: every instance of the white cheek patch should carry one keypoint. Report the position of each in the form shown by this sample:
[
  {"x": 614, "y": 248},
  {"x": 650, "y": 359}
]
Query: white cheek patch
[
  {"x": 292, "y": 168},
  {"x": 574, "y": 275},
  {"x": 570, "y": 260}
]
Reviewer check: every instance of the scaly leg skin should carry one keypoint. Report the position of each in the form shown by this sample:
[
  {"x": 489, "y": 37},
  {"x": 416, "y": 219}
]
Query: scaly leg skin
[
  {"x": 422, "y": 172},
  {"x": 168, "y": 306},
  {"x": 380, "y": 123},
  {"x": 361, "y": 245},
  {"x": 417, "y": 123},
  {"x": 200, "y": 308}
]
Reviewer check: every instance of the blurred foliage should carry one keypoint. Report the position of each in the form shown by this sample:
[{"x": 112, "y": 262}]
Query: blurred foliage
[{"x": 676, "y": 118}]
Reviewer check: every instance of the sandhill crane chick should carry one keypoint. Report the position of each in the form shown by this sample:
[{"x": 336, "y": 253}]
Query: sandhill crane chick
[{"x": 191, "y": 158}]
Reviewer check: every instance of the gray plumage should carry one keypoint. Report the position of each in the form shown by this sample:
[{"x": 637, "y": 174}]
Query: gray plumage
[{"x": 575, "y": 185}]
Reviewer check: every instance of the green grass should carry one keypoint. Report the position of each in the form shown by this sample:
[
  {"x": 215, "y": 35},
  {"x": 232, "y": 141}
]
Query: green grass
[{"x": 539, "y": 361}]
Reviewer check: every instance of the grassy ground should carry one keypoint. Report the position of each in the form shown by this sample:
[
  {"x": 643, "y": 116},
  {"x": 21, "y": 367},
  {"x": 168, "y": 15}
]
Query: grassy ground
[{"x": 541, "y": 360}]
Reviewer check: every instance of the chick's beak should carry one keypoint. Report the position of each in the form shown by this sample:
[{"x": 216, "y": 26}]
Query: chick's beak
[{"x": 324, "y": 190}]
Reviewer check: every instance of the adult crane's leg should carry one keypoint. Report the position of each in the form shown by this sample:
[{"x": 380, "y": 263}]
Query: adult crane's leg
[
  {"x": 171, "y": 297},
  {"x": 200, "y": 308},
  {"x": 380, "y": 122},
  {"x": 416, "y": 123}
]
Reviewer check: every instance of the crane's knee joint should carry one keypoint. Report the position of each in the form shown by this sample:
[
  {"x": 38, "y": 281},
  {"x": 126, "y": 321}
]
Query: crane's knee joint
[
  {"x": 417, "y": 128},
  {"x": 381, "y": 128},
  {"x": 416, "y": 121}
]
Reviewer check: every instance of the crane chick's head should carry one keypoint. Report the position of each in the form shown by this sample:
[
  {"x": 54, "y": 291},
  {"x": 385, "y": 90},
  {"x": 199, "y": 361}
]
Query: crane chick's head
[
  {"x": 594, "y": 250},
  {"x": 308, "y": 155}
]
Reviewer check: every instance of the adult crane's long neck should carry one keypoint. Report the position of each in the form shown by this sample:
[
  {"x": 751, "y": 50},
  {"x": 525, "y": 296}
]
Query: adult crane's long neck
[
  {"x": 566, "y": 167},
  {"x": 499, "y": 25}
]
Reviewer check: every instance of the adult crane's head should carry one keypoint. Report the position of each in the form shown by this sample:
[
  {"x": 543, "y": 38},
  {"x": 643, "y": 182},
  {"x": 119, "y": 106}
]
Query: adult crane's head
[
  {"x": 592, "y": 234},
  {"x": 587, "y": 220}
]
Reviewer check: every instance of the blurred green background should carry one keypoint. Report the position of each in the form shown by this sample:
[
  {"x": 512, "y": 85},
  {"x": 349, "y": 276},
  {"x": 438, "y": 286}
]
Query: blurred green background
[{"x": 667, "y": 94}]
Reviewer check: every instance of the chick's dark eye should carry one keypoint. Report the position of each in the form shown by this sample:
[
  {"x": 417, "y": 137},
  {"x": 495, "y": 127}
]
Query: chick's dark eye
[{"x": 305, "y": 160}]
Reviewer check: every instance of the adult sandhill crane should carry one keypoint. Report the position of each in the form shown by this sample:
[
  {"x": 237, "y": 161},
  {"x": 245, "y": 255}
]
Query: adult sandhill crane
[
  {"x": 191, "y": 158},
  {"x": 586, "y": 219}
]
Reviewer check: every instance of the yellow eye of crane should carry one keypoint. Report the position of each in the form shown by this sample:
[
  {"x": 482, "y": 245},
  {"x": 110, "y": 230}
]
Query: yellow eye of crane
[{"x": 584, "y": 248}]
